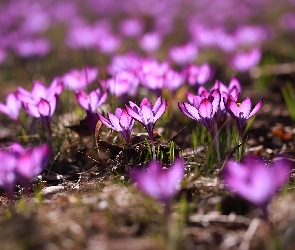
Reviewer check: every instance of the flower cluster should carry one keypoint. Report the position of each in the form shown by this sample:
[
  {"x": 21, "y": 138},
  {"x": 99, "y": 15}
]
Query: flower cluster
[{"x": 210, "y": 108}]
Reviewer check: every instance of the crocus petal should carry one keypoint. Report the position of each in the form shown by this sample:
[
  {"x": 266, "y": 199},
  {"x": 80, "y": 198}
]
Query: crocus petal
[
  {"x": 133, "y": 112},
  {"x": 39, "y": 90},
  {"x": 103, "y": 99},
  {"x": 82, "y": 99},
  {"x": 245, "y": 107},
  {"x": 157, "y": 105},
  {"x": 125, "y": 120},
  {"x": 233, "y": 107},
  {"x": 105, "y": 122},
  {"x": 160, "y": 111},
  {"x": 176, "y": 174},
  {"x": 256, "y": 108},
  {"x": 146, "y": 102},
  {"x": 94, "y": 97},
  {"x": 52, "y": 104},
  {"x": 192, "y": 111},
  {"x": 197, "y": 101},
  {"x": 32, "y": 109},
  {"x": 234, "y": 83},
  {"x": 55, "y": 88},
  {"x": 184, "y": 111},
  {"x": 146, "y": 114},
  {"x": 190, "y": 97},
  {"x": 25, "y": 96},
  {"x": 44, "y": 108},
  {"x": 205, "y": 109},
  {"x": 216, "y": 101},
  {"x": 115, "y": 122},
  {"x": 118, "y": 112}
]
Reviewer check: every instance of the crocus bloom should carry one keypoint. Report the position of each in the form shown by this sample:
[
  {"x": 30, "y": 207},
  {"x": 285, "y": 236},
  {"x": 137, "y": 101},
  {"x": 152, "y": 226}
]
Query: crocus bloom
[
  {"x": 12, "y": 106},
  {"x": 244, "y": 61},
  {"x": 79, "y": 79},
  {"x": 147, "y": 114},
  {"x": 108, "y": 43},
  {"x": 202, "y": 109},
  {"x": 121, "y": 122},
  {"x": 42, "y": 101},
  {"x": 255, "y": 181},
  {"x": 240, "y": 112},
  {"x": 30, "y": 163},
  {"x": 122, "y": 83},
  {"x": 152, "y": 74},
  {"x": 150, "y": 42},
  {"x": 173, "y": 80},
  {"x": 131, "y": 27},
  {"x": 19, "y": 165},
  {"x": 159, "y": 183},
  {"x": 184, "y": 54},
  {"x": 92, "y": 100},
  {"x": 198, "y": 74}
]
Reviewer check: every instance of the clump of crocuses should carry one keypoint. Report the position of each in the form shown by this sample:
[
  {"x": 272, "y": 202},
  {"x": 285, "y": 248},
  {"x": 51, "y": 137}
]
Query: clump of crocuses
[
  {"x": 256, "y": 181},
  {"x": 157, "y": 182},
  {"x": 19, "y": 165},
  {"x": 211, "y": 107}
]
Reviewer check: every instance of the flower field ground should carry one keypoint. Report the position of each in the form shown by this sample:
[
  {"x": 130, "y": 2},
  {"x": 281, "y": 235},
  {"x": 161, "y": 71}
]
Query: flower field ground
[{"x": 147, "y": 125}]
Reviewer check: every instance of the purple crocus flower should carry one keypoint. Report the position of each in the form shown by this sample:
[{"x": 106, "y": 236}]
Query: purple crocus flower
[
  {"x": 150, "y": 42},
  {"x": 244, "y": 61},
  {"x": 122, "y": 83},
  {"x": 131, "y": 27},
  {"x": 30, "y": 163},
  {"x": 198, "y": 74},
  {"x": 12, "y": 106},
  {"x": 42, "y": 101},
  {"x": 108, "y": 43},
  {"x": 240, "y": 112},
  {"x": 255, "y": 181},
  {"x": 79, "y": 79},
  {"x": 159, "y": 183},
  {"x": 121, "y": 122},
  {"x": 90, "y": 102},
  {"x": 19, "y": 165},
  {"x": 173, "y": 80},
  {"x": 184, "y": 54},
  {"x": 147, "y": 114},
  {"x": 152, "y": 74},
  {"x": 204, "y": 109}
]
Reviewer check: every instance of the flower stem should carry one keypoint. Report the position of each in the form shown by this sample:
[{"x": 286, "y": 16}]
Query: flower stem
[
  {"x": 215, "y": 138},
  {"x": 153, "y": 146}
]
